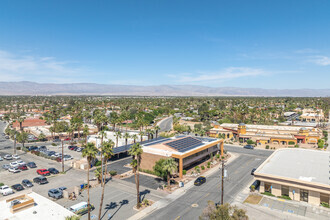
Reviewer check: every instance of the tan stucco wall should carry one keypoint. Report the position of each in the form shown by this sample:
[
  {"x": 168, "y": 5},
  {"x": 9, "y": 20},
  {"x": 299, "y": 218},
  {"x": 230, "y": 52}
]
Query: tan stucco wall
[
  {"x": 296, "y": 195},
  {"x": 276, "y": 189},
  {"x": 148, "y": 160},
  {"x": 314, "y": 198},
  {"x": 262, "y": 187}
]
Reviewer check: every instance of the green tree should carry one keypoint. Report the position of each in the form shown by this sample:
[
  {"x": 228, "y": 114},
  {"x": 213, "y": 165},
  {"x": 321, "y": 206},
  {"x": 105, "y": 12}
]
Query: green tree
[
  {"x": 90, "y": 152},
  {"x": 223, "y": 212},
  {"x": 169, "y": 166},
  {"x": 136, "y": 152},
  {"x": 126, "y": 136},
  {"x": 118, "y": 135},
  {"x": 22, "y": 137},
  {"x": 107, "y": 152}
]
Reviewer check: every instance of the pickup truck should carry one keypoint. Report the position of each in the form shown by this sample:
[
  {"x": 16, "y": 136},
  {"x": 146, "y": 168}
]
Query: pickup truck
[{"x": 5, "y": 190}]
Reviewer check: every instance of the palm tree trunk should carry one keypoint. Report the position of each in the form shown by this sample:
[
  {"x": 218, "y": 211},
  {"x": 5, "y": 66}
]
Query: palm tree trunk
[
  {"x": 137, "y": 181},
  {"x": 88, "y": 199},
  {"x": 78, "y": 133},
  {"x": 102, "y": 184},
  {"x": 168, "y": 180}
]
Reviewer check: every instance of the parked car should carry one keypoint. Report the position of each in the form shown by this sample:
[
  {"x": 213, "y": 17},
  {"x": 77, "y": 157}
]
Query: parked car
[
  {"x": 6, "y": 190},
  {"x": 40, "y": 180},
  {"x": 42, "y": 148},
  {"x": 78, "y": 149},
  {"x": 31, "y": 164},
  {"x": 7, "y": 137},
  {"x": 248, "y": 147},
  {"x": 15, "y": 156},
  {"x": 20, "y": 162},
  {"x": 56, "y": 140},
  {"x": 27, "y": 183},
  {"x": 14, "y": 170},
  {"x": 8, "y": 157},
  {"x": 13, "y": 164},
  {"x": 81, "y": 208},
  {"x": 22, "y": 167},
  {"x": 50, "y": 153},
  {"x": 67, "y": 139},
  {"x": 6, "y": 166},
  {"x": 53, "y": 171},
  {"x": 33, "y": 148},
  {"x": 67, "y": 157},
  {"x": 1, "y": 158},
  {"x": 55, "y": 193},
  {"x": 62, "y": 188},
  {"x": 72, "y": 147},
  {"x": 17, "y": 187},
  {"x": 43, "y": 172},
  {"x": 199, "y": 181},
  {"x": 252, "y": 171}
]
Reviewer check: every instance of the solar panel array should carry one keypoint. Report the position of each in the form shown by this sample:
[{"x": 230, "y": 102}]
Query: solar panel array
[{"x": 185, "y": 144}]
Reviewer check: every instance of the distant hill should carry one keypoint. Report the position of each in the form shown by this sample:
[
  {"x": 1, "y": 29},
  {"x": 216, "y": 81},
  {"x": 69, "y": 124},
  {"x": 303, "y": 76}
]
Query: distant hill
[{"x": 32, "y": 88}]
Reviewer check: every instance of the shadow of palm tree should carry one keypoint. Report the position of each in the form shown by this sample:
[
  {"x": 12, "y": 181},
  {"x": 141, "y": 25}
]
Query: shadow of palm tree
[
  {"x": 114, "y": 205},
  {"x": 143, "y": 194}
]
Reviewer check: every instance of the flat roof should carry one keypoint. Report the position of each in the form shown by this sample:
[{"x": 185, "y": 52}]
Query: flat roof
[
  {"x": 178, "y": 145},
  {"x": 300, "y": 164},
  {"x": 43, "y": 209}
]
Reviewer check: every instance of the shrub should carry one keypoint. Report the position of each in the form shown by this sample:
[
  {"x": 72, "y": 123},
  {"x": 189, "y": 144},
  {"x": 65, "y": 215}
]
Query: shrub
[
  {"x": 98, "y": 163},
  {"x": 268, "y": 194},
  {"x": 324, "y": 204},
  {"x": 203, "y": 168},
  {"x": 253, "y": 188},
  {"x": 25, "y": 149},
  {"x": 18, "y": 148},
  {"x": 222, "y": 157},
  {"x": 218, "y": 156},
  {"x": 113, "y": 173},
  {"x": 1, "y": 184},
  {"x": 184, "y": 172},
  {"x": 196, "y": 167},
  {"x": 267, "y": 146},
  {"x": 198, "y": 170},
  {"x": 209, "y": 163},
  {"x": 208, "y": 166},
  {"x": 146, "y": 202},
  {"x": 53, "y": 144},
  {"x": 296, "y": 145},
  {"x": 291, "y": 142},
  {"x": 249, "y": 141}
]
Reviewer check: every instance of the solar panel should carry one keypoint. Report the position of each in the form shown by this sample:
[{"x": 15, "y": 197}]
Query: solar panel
[{"x": 184, "y": 144}]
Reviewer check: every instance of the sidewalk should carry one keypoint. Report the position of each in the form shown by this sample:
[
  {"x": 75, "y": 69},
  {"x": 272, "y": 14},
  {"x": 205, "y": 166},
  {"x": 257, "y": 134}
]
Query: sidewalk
[{"x": 176, "y": 194}]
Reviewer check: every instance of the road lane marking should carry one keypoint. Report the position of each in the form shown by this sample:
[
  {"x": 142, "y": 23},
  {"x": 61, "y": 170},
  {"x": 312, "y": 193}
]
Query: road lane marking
[{"x": 177, "y": 218}]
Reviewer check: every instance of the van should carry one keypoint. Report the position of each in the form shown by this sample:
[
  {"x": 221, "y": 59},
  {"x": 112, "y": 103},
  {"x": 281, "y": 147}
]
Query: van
[{"x": 80, "y": 208}]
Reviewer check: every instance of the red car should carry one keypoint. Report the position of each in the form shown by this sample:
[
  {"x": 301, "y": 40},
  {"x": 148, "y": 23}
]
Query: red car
[
  {"x": 22, "y": 167},
  {"x": 43, "y": 172},
  {"x": 67, "y": 139}
]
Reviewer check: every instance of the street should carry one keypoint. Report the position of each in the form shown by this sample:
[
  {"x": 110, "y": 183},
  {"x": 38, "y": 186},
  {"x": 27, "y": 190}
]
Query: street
[
  {"x": 191, "y": 204},
  {"x": 165, "y": 124}
]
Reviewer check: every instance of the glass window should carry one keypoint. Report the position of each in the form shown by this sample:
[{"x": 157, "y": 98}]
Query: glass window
[
  {"x": 268, "y": 187},
  {"x": 285, "y": 190},
  {"x": 303, "y": 195}
]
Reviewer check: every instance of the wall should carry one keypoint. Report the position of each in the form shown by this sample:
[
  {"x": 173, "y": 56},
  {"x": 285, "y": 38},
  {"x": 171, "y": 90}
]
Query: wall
[
  {"x": 148, "y": 160},
  {"x": 314, "y": 198},
  {"x": 276, "y": 189},
  {"x": 296, "y": 196}
]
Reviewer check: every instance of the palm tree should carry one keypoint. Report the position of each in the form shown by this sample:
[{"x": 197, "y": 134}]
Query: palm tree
[
  {"x": 85, "y": 133},
  {"x": 118, "y": 135},
  {"x": 107, "y": 152},
  {"x": 134, "y": 137},
  {"x": 169, "y": 166},
  {"x": 21, "y": 120},
  {"x": 136, "y": 152},
  {"x": 141, "y": 133},
  {"x": 126, "y": 136},
  {"x": 89, "y": 152},
  {"x": 157, "y": 129},
  {"x": 22, "y": 137}
]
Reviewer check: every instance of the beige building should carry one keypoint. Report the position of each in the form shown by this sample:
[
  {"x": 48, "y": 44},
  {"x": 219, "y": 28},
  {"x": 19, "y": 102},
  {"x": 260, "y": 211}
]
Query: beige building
[
  {"x": 301, "y": 174},
  {"x": 311, "y": 115},
  {"x": 268, "y": 134}
]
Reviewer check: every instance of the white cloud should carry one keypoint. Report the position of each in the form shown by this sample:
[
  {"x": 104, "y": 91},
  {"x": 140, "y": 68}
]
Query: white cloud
[
  {"x": 41, "y": 69},
  {"x": 306, "y": 51},
  {"x": 225, "y": 74},
  {"x": 321, "y": 60}
]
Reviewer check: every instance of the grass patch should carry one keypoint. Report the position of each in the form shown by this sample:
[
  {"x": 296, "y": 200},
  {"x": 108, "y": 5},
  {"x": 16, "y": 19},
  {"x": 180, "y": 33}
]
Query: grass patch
[
  {"x": 268, "y": 194},
  {"x": 253, "y": 199},
  {"x": 284, "y": 197}
]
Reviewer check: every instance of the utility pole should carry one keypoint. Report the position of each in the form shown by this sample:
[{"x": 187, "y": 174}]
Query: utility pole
[
  {"x": 62, "y": 156},
  {"x": 222, "y": 177}
]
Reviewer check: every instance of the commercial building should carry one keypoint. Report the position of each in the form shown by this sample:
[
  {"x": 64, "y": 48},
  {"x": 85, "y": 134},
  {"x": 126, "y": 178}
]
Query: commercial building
[
  {"x": 268, "y": 134},
  {"x": 311, "y": 115},
  {"x": 301, "y": 174},
  {"x": 186, "y": 151}
]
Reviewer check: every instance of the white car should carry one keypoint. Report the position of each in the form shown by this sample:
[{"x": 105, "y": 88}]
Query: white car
[
  {"x": 15, "y": 156},
  {"x": 1, "y": 158},
  {"x": 5, "y": 190},
  {"x": 14, "y": 170},
  {"x": 8, "y": 157},
  {"x": 20, "y": 162},
  {"x": 13, "y": 164}
]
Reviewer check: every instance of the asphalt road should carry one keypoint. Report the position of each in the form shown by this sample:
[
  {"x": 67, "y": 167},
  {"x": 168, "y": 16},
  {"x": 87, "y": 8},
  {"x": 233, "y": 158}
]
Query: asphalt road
[
  {"x": 166, "y": 124},
  {"x": 191, "y": 204}
]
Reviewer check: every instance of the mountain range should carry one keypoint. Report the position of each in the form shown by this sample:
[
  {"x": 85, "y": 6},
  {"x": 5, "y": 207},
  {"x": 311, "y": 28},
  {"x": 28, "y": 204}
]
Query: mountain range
[{"x": 32, "y": 88}]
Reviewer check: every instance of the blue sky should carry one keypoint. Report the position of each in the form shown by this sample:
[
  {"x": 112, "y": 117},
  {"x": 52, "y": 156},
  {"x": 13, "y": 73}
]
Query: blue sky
[{"x": 254, "y": 44}]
